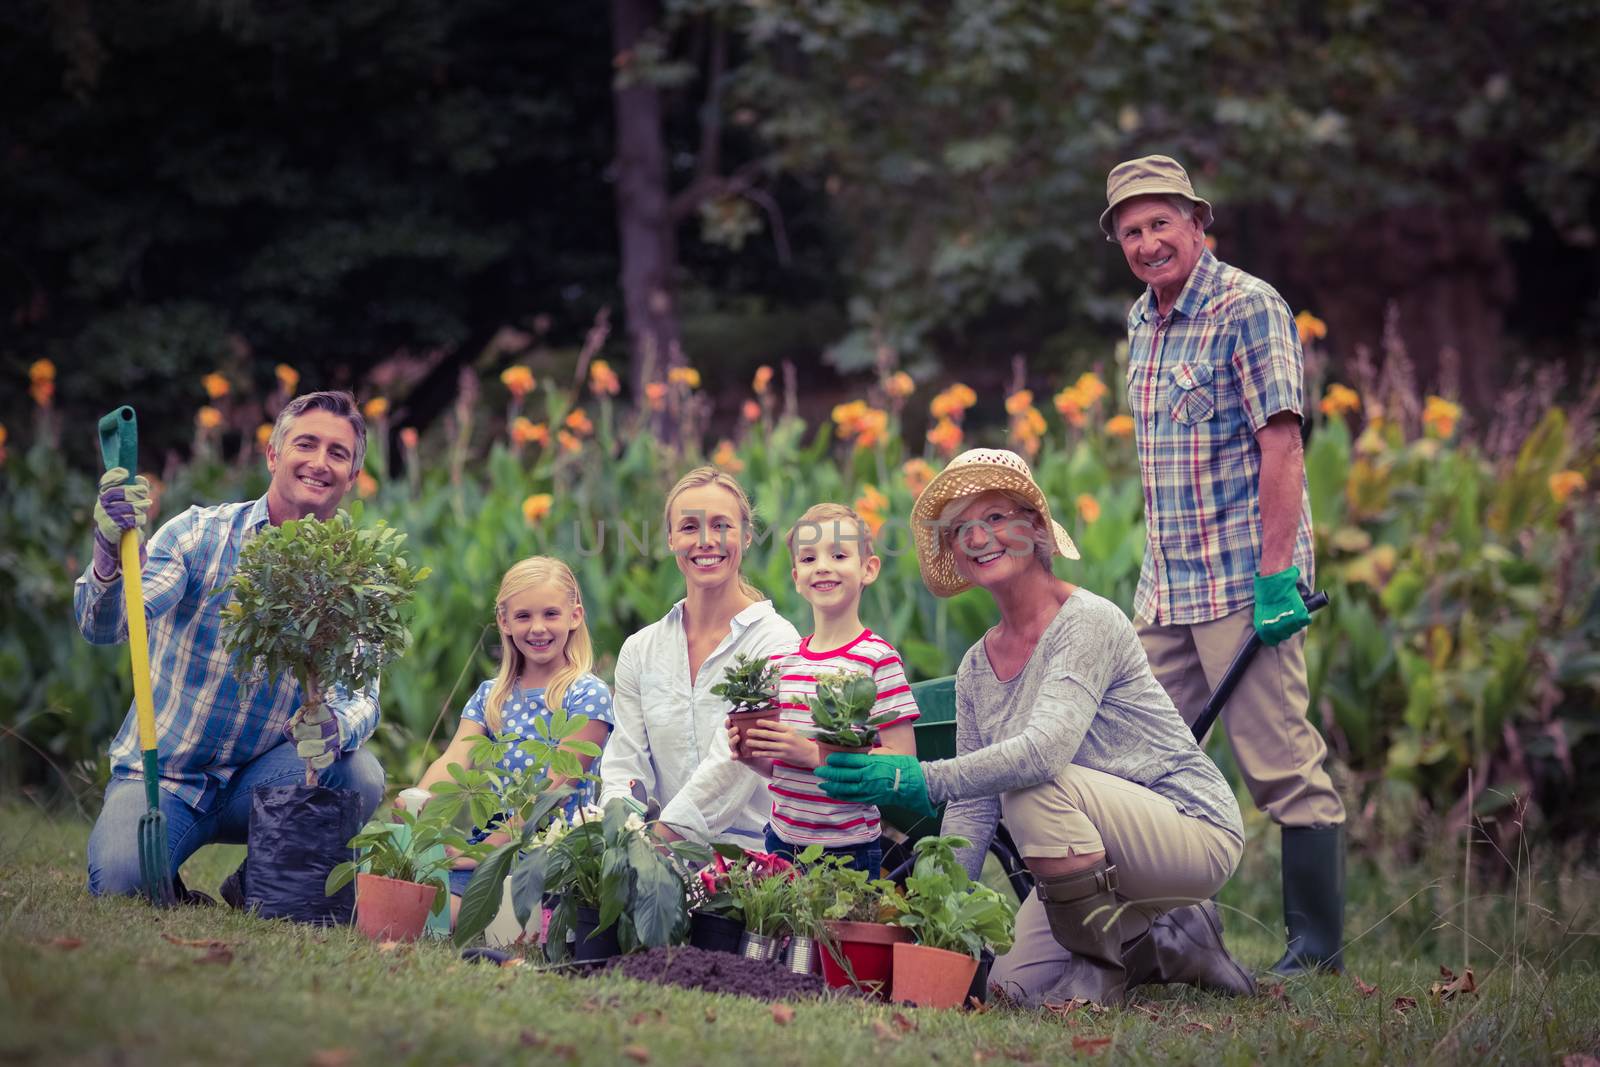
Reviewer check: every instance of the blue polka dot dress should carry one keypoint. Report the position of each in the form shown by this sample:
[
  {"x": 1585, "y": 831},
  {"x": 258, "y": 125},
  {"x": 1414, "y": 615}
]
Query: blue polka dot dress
[{"x": 587, "y": 695}]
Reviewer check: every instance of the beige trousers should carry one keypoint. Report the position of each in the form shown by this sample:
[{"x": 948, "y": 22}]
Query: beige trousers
[
  {"x": 1278, "y": 751},
  {"x": 1163, "y": 857}
]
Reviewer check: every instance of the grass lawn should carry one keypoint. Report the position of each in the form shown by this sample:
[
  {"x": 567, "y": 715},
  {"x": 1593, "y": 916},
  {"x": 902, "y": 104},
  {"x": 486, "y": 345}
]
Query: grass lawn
[{"x": 112, "y": 981}]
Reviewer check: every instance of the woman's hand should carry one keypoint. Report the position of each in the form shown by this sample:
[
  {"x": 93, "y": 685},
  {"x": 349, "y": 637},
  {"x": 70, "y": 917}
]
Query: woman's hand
[
  {"x": 774, "y": 741},
  {"x": 876, "y": 780}
]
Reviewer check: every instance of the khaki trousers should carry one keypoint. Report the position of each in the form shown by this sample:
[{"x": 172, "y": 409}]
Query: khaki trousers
[
  {"x": 1278, "y": 751},
  {"x": 1163, "y": 857}
]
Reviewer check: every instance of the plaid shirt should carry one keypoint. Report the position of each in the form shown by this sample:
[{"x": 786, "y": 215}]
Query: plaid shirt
[
  {"x": 208, "y": 724},
  {"x": 1201, "y": 383}
]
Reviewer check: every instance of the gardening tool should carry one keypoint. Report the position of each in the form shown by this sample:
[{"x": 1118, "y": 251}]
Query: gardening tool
[
  {"x": 119, "y": 447},
  {"x": 1241, "y": 663}
]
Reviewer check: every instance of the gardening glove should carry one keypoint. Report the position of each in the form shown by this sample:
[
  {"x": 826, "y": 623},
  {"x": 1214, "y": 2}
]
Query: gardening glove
[
  {"x": 118, "y": 507},
  {"x": 876, "y": 780},
  {"x": 1280, "y": 611},
  {"x": 316, "y": 734}
]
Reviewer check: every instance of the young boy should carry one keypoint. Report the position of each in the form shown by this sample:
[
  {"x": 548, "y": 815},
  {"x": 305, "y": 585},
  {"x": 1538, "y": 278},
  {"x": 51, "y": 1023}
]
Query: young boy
[{"x": 833, "y": 562}]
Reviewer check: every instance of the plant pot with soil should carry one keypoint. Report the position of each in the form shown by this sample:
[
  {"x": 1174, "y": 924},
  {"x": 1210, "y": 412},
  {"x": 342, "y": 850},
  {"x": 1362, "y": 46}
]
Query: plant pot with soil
[
  {"x": 845, "y": 910},
  {"x": 401, "y": 875},
  {"x": 321, "y": 601},
  {"x": 763, "y": 887},
  {"x": 953, "y": 919},
  {"x": 750, "y": 686}
]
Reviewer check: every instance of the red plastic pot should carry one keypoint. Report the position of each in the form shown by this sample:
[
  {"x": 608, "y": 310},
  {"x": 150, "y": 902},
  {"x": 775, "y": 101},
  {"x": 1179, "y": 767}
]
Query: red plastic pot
[
  {"x": 867, "y": 949},
  {"x": 388, "y": 909},
  {"x": 931, "y": 977}
]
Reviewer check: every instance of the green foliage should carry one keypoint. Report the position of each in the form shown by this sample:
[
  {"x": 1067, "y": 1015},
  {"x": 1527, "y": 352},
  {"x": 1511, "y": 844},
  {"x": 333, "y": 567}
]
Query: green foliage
[
  {"x": 750, "y": 683},
  {"x": 828, "y": 889},
  {"x": 842, "y": 710},
  {"x": 406, "y": 847},
  {"x": 944, "y": 908},
  {"x": 762, "y": 896}
]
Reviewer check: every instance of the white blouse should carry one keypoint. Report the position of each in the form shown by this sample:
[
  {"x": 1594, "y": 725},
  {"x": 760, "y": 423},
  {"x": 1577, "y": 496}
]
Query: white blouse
[{"x": 667, "y": 728}]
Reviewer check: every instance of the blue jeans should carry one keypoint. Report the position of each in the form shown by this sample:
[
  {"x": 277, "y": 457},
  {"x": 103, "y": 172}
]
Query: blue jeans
[
  {"x": 114, "y": 842},
  {"x": 867, "y": 856}
]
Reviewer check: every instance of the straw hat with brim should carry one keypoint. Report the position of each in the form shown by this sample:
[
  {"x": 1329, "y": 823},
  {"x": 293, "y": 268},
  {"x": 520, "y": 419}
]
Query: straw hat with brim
[
  {"x": 1149, "y": 176},
  {"x": 978, "y": 470}
]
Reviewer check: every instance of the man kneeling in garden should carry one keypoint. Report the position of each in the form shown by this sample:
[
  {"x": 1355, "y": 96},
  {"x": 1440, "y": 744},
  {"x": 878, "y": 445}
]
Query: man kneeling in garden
[{"x": 220, "y": 739}]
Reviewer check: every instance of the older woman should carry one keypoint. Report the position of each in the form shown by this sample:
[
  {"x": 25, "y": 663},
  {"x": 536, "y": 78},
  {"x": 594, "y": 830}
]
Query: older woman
[{"x": 1127, "y": 826}]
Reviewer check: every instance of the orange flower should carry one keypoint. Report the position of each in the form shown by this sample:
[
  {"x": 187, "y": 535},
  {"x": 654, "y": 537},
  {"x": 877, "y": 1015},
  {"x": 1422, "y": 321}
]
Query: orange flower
[
  {"x": 1562, "y": 483},
  {"x": 208, "y": 417},
  {"x": 900, "y": 385},
  {"x": 685, "y": 376},
  {"x": 288, "y": 377},
  {"x": 43, "y": 391},
  {"x": 408, "y": 437},
  {"x": 519, "y": 380},
  {"x": 751, "y": 411},
  {"x": 366, "y": 485},
  {"x": 945, "y": 436},
  {"x": 264, "y": 434},
  {"x": 1120, "y": 426},
  {"x": 1091, "y": 389},
  {"x": 376, "y": 408},
  {"x": 216, "y": 385},
  {"x": 918, "y": 473},
  {"x": 1070, "y": 403},
  {"x": 569, "y": 441},
  {"x": 41, "y": 370},
  {"x": 536, "y": 507},
  {"x": 656, "y": 394},
  {"x": 578, "y": 422},
  {"x": 1340, "y": 400},
  {"x": 763, "y": 379},
  {"x": 525, "y": 431},
  {"x": 858, "y": 422},
  {"x": 870, "y": 505},
  {"x": 1440, "y": 416},
  {"x": 953, "y": 402},
  {"x": 845, "y": 415},
  {"x": 1088, "y": 508},
  {"x": 1311, "y": 328},
  {"x": 2, "y": 435},
  {"x": 603, "y": 380},
  {"x": 726, "y": 458},
  {"x": 1211, "y": 244},
  {"x": 1019, "y": 401}
]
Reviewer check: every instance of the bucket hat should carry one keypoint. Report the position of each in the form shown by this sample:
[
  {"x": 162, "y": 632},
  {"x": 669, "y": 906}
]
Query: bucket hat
[{"x": 1146, "y": 176}]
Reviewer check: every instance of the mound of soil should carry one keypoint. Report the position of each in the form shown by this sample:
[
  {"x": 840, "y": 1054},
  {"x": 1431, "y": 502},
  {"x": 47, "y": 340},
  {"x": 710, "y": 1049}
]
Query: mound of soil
[{"x": 717, "y": 972}]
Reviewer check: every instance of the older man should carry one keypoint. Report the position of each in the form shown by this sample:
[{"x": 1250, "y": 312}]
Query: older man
[
  {"x": 1215, "y": 390},
  {"x": 220, "y": 739}
]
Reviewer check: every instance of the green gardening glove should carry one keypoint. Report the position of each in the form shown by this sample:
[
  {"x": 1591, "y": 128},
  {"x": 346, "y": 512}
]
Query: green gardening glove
[
  {"x": 1280, "y": 611},
  {"x": 877, "y": 780}
]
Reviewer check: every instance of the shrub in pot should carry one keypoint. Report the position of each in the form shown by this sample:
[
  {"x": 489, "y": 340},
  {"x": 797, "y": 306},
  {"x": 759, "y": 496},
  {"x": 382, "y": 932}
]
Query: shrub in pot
[
  {"x": 762, "y": 885},
  {"x": 842, "y": 713},
  {"x": 750, "y": 685},
  {"x": 952, "y": 919},
  {"x": 321, "y": 601},
  {"x": 401, "y": 875},
  {"x": 846, "y": 910}
]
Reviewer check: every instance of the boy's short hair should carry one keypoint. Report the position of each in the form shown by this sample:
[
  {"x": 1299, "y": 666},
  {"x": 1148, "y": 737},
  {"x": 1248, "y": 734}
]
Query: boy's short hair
[{"x": 823, "y": 519}]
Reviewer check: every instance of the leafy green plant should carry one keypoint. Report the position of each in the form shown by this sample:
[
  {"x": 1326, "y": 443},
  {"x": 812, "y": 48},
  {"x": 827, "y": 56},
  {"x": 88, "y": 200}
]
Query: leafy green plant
[
  {"x": 944, "y": 908},
  {"x": 321, "y": 601},
  {"x": 842, "y": 710},
  {"x": 828, "y": 890},
  {"x": 762, "y": 887},
  {"x": 750, "y": 684},
  {"x": 411, "y": 848}
]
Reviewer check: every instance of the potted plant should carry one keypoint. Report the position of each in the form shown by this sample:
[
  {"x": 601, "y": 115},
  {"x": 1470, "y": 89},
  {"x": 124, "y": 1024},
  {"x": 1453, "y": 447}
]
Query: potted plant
[
  {"x": 321, "y": 601},
  {"x": 618, "y": 889},
  {"x": 401, "y": 875},
  {"x": 716, "y": 920},
  {"x": 750, "y": 684},
  {"x": 842, "y": 712},
  {"x": 952, "y": 920},
  {"x": 846, "y": 910},
  {"x": 762, "y": 887}
]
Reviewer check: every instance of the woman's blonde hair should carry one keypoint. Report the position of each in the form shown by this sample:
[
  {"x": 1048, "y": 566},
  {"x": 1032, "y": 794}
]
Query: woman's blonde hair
[
  {"x": 579, "y": 651},
  {"x": 701, "y": 476}
]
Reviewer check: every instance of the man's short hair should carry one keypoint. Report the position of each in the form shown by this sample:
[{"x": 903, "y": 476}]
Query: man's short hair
[
  {"x": 335, "y": 401},
  {"x": 821, "y": 520}
]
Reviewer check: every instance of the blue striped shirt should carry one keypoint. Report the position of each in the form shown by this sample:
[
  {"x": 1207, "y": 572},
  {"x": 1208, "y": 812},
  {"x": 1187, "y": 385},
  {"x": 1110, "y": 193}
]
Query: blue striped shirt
[
  {"x": 208, "y": 724},
  {"x": 1201, "y": 383}
]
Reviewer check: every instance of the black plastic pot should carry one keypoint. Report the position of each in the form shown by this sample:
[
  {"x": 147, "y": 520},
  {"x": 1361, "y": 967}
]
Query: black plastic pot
[
  {"x": 298, "y": 833},
  {"x": 718, "y": 933},
  {"x": 980, "y": 980},
  {"x": 593, "y": 945}
]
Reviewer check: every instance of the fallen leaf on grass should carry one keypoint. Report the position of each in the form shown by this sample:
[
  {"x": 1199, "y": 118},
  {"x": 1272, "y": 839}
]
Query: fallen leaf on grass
[
  {"x": 390, "y": 946},
  {"x": 1092, "y": 1046},
  {"x": 331, "y": 1057},
  {"x": 1198, "y": 1027},
  {"x": 216, "y": 954},
  {"x": 976, "y": 1006},
  {"x": 902, "y": 1023},
  {"x": 1363, "y": 988},
  {"x": 884, "y": 1031},
  {"x": 782, "y": 1014},
  {"x": 65, "y": 944},
  {"x": 566, "y": 1052},
  {"x": 533, "y": 1039},
  {"x": 199, "y": 942},
  {"x": 1403, "y": 1004},
  {"x": 653, "y": 1015},
  {"x": 636, "y": 1053},
  {"x": 1450, "y": 985},
  {"x": 711, "y": 1015}
]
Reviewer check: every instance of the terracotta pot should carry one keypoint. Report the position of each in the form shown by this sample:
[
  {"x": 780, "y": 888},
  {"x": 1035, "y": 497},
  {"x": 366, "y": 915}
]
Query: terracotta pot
[
  {"x": 739, "y": 720},
  {"x": 931, "y": 977},
  {"x": 867, "y": 949},
  {"x": 716, "y": 933},
  {"x": 388, "y": 909},
  {"x": 826, "y": 750}
]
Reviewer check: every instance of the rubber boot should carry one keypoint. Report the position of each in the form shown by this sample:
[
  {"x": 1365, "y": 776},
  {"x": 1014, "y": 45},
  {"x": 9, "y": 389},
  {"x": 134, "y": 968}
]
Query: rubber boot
[
  {"x": 1083, "y": 911},
  {"x": 1185, "y": 946},
  {"x": 1313, "y": 899}
]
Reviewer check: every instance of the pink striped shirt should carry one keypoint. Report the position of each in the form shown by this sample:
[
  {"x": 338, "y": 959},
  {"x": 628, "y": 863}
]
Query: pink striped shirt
[{"x": 801, "y": 813}]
